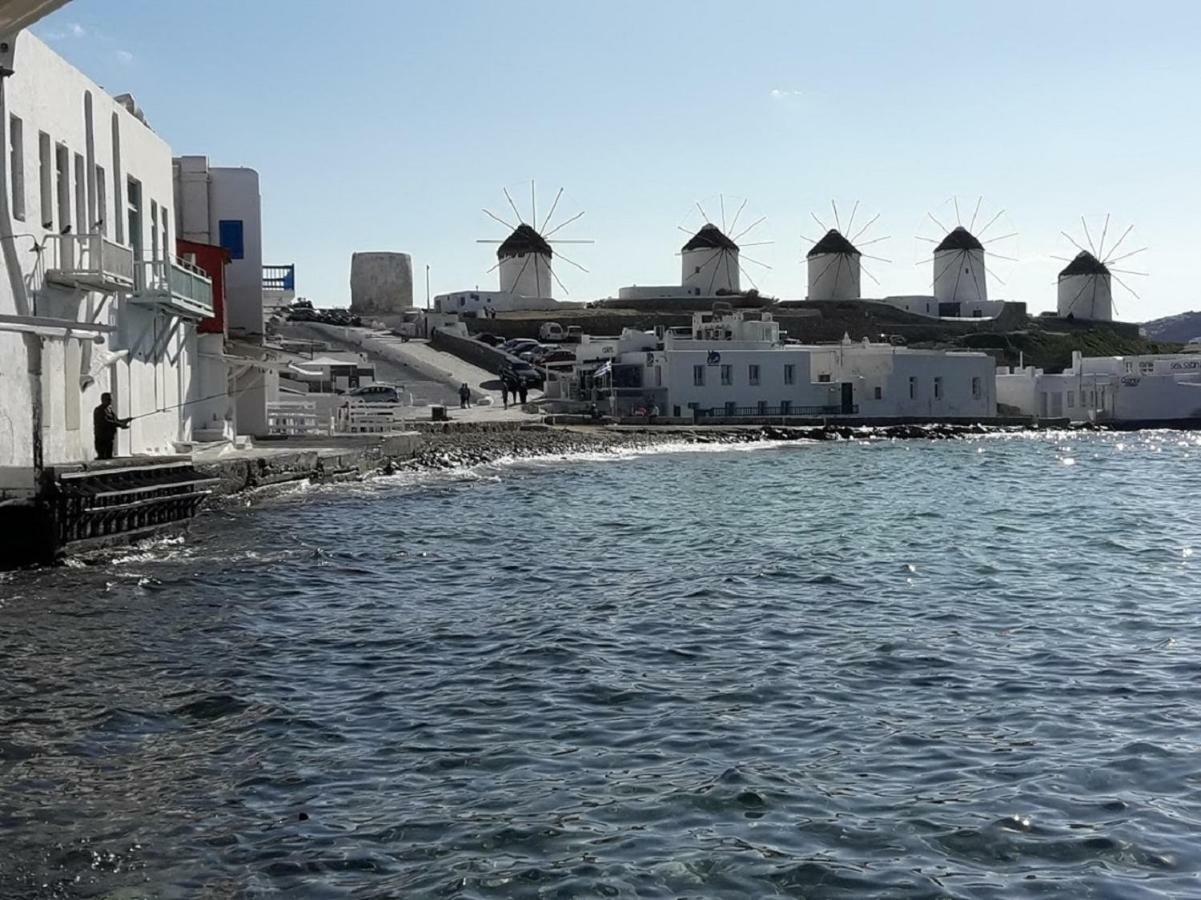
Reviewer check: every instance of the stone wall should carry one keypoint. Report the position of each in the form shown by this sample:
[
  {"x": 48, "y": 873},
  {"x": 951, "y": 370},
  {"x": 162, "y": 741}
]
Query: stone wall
[{"x": 381, "y": 282}]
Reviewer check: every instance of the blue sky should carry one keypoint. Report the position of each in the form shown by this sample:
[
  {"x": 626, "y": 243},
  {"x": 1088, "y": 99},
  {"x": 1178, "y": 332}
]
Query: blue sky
[{"x": 381, "y": 125}]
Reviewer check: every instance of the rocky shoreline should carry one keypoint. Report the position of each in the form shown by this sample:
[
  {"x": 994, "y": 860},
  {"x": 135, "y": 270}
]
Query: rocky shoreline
[{"x": 461, "y": 448}]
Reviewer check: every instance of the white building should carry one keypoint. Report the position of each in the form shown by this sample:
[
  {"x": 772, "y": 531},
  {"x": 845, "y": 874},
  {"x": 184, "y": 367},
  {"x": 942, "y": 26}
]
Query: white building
[
  {"x": 1120, "y": 389},
  {"x": 92, "y": 298},
  {"x": 222, "y": 205},
  {"x": 727, "y": 364},
  {"x": 479, "y": 302},
  {"x": 834, "y": 268},
  {"x": 959, "y": 273},
  {"x": 1084, "y": 289}
]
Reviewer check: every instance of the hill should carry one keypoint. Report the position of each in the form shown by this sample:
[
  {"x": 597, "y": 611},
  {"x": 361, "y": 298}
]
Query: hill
[{"x": 1179, "y": 329}]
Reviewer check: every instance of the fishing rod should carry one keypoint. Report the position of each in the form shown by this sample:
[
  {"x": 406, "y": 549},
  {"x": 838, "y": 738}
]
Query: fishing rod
[{"x": 155, "y": 412}]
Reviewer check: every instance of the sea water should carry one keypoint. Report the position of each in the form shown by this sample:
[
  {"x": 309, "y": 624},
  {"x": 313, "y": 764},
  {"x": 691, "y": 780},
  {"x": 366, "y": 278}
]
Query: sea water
[{"x": 897, "y": 669}]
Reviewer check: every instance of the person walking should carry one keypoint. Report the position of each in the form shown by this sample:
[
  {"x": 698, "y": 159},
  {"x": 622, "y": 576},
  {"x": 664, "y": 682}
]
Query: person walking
[
  {"x": 464, "y": 396},
  {"x": 104, "y": 426},
  {"x": 522, "y": 390},
  {"x": 504, "y": 392}
]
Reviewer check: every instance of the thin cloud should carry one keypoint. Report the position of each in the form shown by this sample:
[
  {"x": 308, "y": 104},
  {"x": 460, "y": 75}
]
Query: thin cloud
[
  {"x": 783, "y": 94},
  {"x": 124, "y": 57},
  {"x": 73, "y": 30}
]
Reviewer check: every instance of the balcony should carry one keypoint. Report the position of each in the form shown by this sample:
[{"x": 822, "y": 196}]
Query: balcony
[
  {"x": 279, "y": 278},
  {"x": 174, "y": 286},
  {"x": 89, "y": 262}
]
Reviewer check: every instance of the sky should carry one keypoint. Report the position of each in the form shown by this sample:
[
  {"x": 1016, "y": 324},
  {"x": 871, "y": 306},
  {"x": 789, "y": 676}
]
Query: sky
[{"x": 387, "y": 125}]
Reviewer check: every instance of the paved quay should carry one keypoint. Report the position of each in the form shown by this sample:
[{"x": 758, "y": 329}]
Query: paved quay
[{"x": 416, "y": 354}]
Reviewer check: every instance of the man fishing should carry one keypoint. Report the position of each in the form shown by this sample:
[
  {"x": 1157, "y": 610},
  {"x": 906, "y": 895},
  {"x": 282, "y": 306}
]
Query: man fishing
[{"x": 104, "y": 426}]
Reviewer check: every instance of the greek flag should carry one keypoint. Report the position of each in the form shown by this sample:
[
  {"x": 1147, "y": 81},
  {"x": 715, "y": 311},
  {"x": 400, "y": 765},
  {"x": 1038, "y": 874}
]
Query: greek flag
[{"x": 604, "y": 370}]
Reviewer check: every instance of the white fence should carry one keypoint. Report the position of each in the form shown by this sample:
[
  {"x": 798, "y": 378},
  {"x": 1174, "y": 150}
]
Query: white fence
[
  {"x": 371, "y": 418},
  {"x": 295, "y": 417}
]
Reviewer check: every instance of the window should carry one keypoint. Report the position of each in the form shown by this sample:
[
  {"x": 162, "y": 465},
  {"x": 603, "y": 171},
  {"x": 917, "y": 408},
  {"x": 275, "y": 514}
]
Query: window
[
  {"x": 976, "y": 388},
  {"x": 912, "y": 387},
  {"x": 162, "y": 216},
  {"x": 1146, "y": 367},
  {"x": 879, "y": 393},
  {"x": 62, "y": 175},
  {"x": 154, "y": 229},
  {"x": 824, "y": 378},
  {"x": 731, "y": 409},
  {"x": 762, "y": 407},
  {"x": 16, "y": 160},
  {"x": 698, "y": 376},
  {"x": 698, "y": 271},
  {"x": 82, "y": 225},
  {"x": 231, "y": 238},
  {"x": 937, "y": 388},
  {"x": 790, "y": 374},
  {"x": 752, "y": 373},
  {"x": 785, "y": 407},
  {"x": 102, "y": 200},
  {"x": 46, "y": 180},
  {"x": 118, "y": 216},
  {"x": 1129, "y": 367},
  {"x": 1071, "y": 399},
  {"x": 727, "y": 374},
  {"x": 72, "y": 363},
  {"x": 133, "y": 189}
]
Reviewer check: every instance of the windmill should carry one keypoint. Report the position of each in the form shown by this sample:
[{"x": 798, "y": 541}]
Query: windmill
[
  {"x": 835, "y": 260},
  {"x": 711, "y": 260},
  {"x": 525, "y": 257},
  {"x": 1085, "y": 285},
  {"x": 960, "y": 266}
]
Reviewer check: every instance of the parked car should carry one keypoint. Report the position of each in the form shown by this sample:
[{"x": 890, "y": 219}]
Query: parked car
[
  {"x": 574, "y": 332},
  {"x": 557, "y": 359},
  {"x": 529, "y": 353},
  {"x": 550, "y": 331},
  {"x": 516, "y": 345},
  {"x": 520, "y": 371},
  {"x": 491, "y": 340},
  {"x": 377, "y": 393}
]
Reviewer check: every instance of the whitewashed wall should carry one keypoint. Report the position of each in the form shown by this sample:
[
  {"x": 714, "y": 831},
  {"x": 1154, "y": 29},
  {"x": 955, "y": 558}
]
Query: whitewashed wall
[{"x": 106, "y": 145}]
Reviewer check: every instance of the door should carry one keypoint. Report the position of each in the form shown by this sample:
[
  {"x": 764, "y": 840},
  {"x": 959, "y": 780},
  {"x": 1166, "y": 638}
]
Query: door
[{"x": 848, "y": 398}]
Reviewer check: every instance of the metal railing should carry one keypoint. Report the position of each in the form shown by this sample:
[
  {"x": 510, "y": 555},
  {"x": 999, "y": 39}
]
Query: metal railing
[
  {"x": 279, "y": 278},
  {"x": 741, "y": 412},
  {"x": 91, "y": 260},
  {"x": 177, "y": 284}
]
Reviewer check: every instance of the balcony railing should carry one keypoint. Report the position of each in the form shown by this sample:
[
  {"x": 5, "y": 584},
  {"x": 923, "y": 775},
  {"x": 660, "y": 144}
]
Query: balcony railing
[
  {"x": 90, "y": 261},
  {"x": 175, "y": 285},
  {"x": 279, "y": 278}
]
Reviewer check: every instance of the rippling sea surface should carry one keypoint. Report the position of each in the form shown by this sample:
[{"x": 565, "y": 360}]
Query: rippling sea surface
[{"x": 896, "y": 669}]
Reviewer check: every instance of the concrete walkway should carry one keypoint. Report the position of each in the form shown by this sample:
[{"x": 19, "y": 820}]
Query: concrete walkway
[{"x": 416, "y": 353}]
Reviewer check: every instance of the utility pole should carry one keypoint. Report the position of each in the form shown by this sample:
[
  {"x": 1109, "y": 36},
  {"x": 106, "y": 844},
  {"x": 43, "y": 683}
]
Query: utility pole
[{"x": 427, "y": 285}]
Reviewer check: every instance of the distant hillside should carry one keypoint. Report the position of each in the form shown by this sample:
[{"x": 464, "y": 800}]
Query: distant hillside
[{"x": 1179, "y": 329}]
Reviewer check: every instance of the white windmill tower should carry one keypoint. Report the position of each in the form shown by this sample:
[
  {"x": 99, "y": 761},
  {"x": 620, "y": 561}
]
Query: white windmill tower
[
  {"x": 960, "y": 262},
  {"x": 525, "y": 258},
  {"x": 835, "y": 262},
  {"x": 711, "y": 260},
  {"x": 1085, "y": 285}
]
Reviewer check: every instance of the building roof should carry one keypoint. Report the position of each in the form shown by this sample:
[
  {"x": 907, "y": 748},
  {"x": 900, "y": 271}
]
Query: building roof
[
  {"x": 959, "y": 239},
  {"x": 1084, "y": 264},
  {"x": 710, "y": 237},
  {"x": 524, "y": 239},
  {"x": 833, "y": 242}
]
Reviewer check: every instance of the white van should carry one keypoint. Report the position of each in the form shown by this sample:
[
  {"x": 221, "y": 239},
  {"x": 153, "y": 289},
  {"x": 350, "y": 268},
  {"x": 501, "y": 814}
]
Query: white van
[{"x": 550, "y": 331}]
